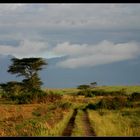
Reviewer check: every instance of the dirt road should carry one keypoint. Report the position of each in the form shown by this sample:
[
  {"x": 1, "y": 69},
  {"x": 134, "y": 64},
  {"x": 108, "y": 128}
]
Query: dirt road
[{"x": 87, "y": 126}]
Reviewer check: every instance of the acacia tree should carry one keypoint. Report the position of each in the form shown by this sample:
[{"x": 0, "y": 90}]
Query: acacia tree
[{"x": 28, "y": 68}]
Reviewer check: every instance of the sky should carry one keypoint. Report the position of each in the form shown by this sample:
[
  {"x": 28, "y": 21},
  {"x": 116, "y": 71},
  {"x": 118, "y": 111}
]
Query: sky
[{"x": 86, "y": 35}]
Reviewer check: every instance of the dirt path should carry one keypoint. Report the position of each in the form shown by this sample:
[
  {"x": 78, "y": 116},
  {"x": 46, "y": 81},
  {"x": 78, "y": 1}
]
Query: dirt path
[
  {"x": 87, "y": 126},
  {"x": 70, "y": 126},
  {"x": 88, "y": 129}
]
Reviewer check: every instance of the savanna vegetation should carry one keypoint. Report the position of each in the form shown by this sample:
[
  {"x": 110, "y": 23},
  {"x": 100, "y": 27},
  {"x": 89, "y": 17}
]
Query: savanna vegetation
[{"x": 27, "y": 109}]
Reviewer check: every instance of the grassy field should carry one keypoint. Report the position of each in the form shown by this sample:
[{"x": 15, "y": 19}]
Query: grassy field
[
  {"x": 124, "y": 122},
  {"x": 33, "y": 120},
  {"x": 50, "y": 119},
  {"x": 128, "y": 89}
]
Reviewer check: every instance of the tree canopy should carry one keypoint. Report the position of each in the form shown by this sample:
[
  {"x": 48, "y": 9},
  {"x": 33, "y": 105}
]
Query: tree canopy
[{"x": 28, "y": 67}]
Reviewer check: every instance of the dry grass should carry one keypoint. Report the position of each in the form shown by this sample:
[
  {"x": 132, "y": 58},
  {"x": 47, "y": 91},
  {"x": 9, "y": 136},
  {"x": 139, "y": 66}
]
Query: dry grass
[
  {"x": 23, "y": 120},
  {"x": 19, "y": 120},
  {"x": 68, "y": 91},
  {"x": 113, "y": 123}
]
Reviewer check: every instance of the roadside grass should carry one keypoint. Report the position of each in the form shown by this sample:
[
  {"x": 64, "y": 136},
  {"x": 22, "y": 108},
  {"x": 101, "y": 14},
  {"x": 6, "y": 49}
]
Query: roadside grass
[
  {"x": 58, "y": 129},
  {"x": 41, "y": 127},
  {"x": 34, "y": 119},
  {"x": 123, "y": 122}
]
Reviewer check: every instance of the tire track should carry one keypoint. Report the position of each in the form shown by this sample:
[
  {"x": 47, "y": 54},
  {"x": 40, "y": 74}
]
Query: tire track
[
  {"x": 88, "y": 129},
  {"x": 87, "y": 126},
  {"x": 68, "y": 130}
]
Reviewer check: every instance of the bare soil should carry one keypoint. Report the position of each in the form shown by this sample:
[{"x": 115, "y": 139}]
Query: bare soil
[
  {"x": 88, "y": 129},
  {"x": 70, "y": 126}
]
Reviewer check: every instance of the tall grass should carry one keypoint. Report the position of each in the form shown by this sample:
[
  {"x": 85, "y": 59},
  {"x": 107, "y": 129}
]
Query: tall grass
[
  {"x": 58, "y": 129},
  {"x": 113, "y": 123},
  {"x": 41, "y": 127},
  {"x": 64, "y": 91}
]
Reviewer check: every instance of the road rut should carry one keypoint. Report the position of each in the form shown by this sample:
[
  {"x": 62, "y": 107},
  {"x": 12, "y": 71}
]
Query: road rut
[
  {"x": 70, "y": 126},
  {"x": 88, "y": 130}
]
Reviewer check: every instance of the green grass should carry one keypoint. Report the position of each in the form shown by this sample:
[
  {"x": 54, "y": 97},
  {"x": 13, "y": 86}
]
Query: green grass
[
  {"x": 69, "y": 91},
  {"x": 115, "y": 123},
  {"x": 51, "y": 118},
  {"x": 129, "y": 89}
]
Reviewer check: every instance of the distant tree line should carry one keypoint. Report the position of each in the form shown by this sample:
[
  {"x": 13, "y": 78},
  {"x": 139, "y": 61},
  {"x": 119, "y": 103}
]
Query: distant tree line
[{"x": 91, "y": 85}]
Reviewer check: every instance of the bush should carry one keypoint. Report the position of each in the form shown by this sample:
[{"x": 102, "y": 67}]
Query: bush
[
  {"x": 52, "y": 96},
  {"x": 91, "y": 93},
  {"x": 109, "y": 93},
  {"x": 109, "y": 103},
  {"x": 83, "y": 87},
  {"x": 24, "y": 98},
  {"x": 91, "y": 106},
  {"x": 65, "y": 105},
  {"x": 112, "y": 103},
  {"x": 105, "y": 103},
  {"x": 86, "y": 93},
  {"x": 11, "y": 89},
  {"x": 134, "y": 96},
  {"x": 34, "y": 96},
  {"x": 130, "y": 104}
]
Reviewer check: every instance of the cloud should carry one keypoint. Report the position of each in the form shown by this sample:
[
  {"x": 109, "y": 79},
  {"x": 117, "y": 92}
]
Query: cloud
[
  {"x": 105, "y": 52},
  {"x": 26, "y": 48},
  {"x": 7, "y": 8},
  {"x": 95, "y": 16},
  {"x": 40, "y": 24}
]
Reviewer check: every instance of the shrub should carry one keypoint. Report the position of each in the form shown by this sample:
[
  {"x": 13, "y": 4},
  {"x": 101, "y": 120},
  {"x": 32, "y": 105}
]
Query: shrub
[
  {"x": 109, "y": 103},
  {"x": 11, "y": 89},
  {"x": 65, "y": 105},
  {"x": 86, "y": 93},
  {"x": 24, "y": 98},
  {"x": 91, "y": 106},
  {"x": 135, "y": 96},
  {"x": 108, "y": 93},
  {"x": 105, "y": 103},
  {"x": 52, "y": 96},
  {"x": 83, "y": 86},
  {"x": 112, "y": 103},
  {"x": 99, "y": 92},
  {"x": 129, "y": 104},
  {"x": 81, "y": 92},
  {"x": 34, "y": 96}
]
